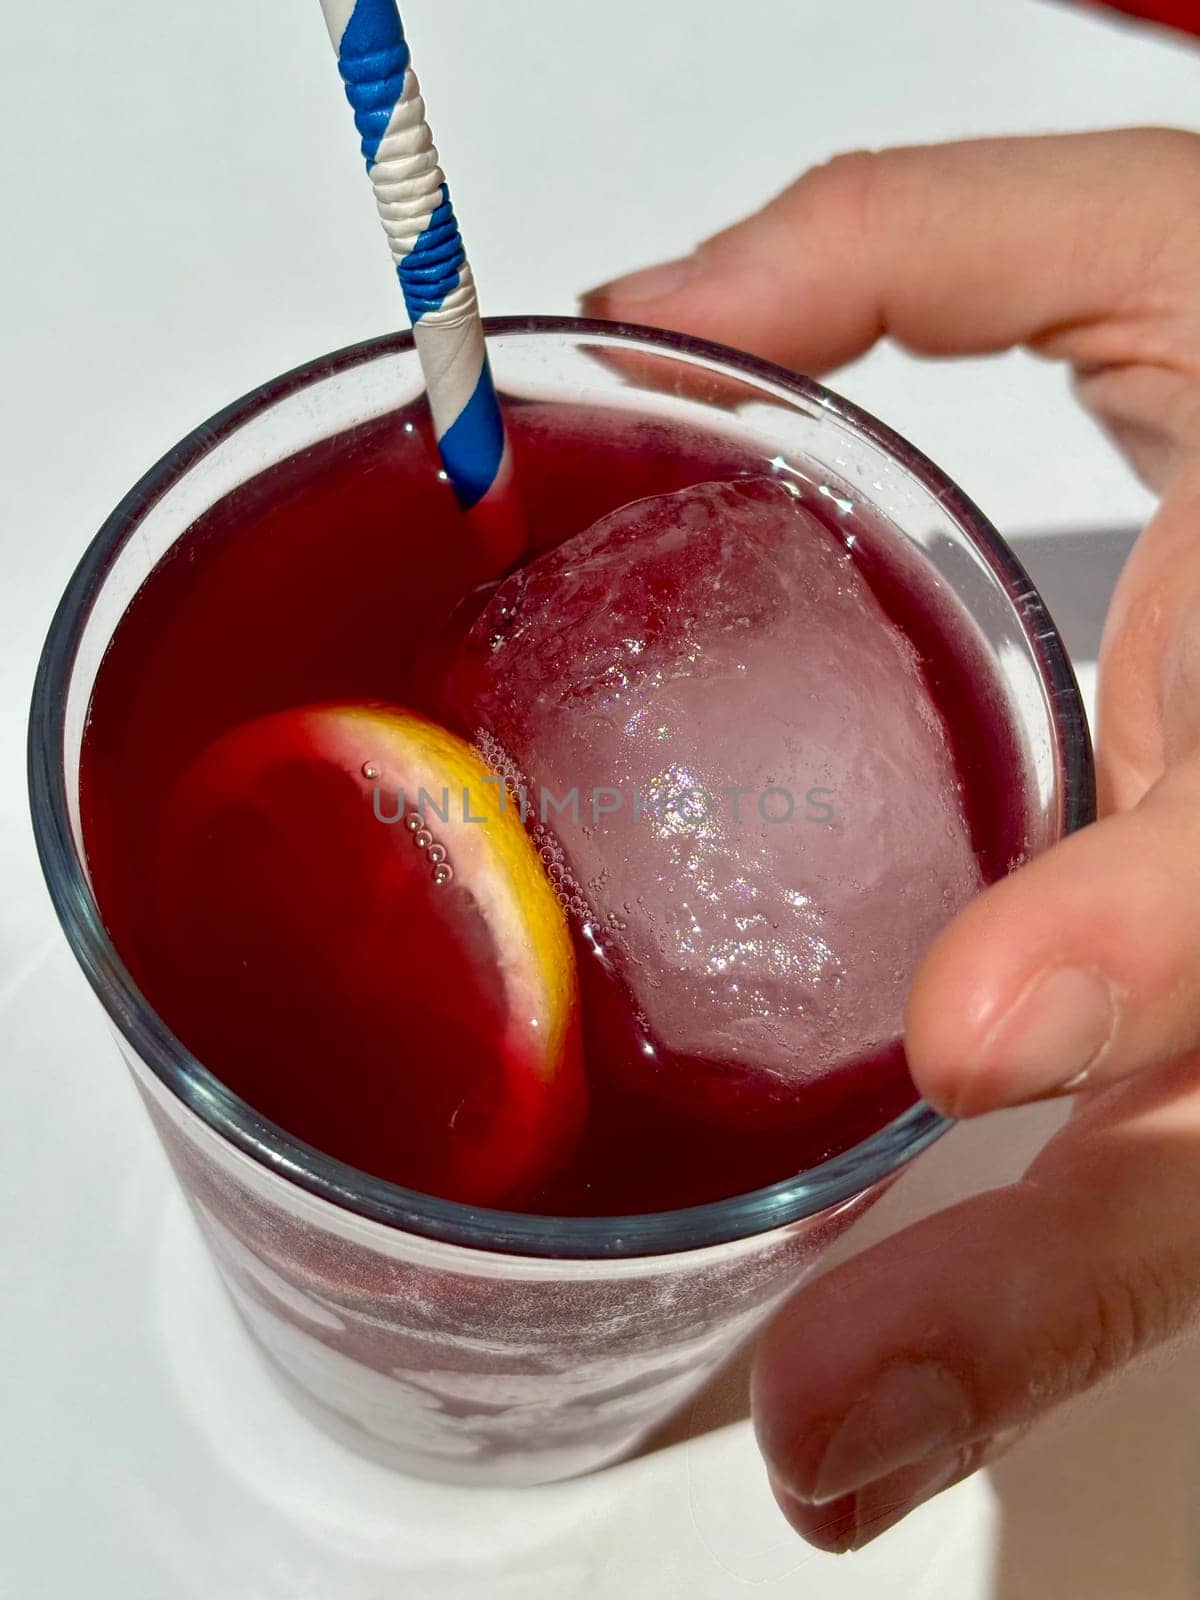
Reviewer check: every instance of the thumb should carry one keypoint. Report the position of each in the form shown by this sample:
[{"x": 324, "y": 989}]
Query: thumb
[
  {"x": 951, "y": 248},
  {"x": 1081, "y": 968}
]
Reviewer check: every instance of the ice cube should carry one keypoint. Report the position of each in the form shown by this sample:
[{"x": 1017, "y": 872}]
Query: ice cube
[{"x": 770, "y": 827}]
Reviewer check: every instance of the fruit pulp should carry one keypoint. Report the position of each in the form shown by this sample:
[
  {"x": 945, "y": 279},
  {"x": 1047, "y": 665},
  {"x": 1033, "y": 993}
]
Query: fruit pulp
[{"x": 336, "y": 577}]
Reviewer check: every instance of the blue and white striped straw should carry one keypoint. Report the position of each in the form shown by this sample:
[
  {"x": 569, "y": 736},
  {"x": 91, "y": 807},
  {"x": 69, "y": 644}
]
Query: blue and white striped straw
[{"x": 439, "y": 289}]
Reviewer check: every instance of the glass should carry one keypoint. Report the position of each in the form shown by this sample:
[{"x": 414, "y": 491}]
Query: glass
[{"x": 457, "y": 1342}]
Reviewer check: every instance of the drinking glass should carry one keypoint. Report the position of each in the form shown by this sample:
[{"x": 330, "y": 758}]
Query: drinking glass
[{"x": 453, "y": 1341}]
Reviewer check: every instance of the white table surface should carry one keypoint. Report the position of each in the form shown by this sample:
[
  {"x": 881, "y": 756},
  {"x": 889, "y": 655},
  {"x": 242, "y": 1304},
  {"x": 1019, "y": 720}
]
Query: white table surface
[{"x": 184, "y": 216}]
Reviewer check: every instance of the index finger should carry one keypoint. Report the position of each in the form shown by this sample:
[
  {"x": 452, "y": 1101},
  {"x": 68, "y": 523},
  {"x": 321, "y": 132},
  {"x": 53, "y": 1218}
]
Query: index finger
[{"x": 949, "y": 249}]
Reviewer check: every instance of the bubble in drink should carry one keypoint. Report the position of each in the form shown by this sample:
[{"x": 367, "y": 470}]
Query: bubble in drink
[{"x": 719, "y": 650}]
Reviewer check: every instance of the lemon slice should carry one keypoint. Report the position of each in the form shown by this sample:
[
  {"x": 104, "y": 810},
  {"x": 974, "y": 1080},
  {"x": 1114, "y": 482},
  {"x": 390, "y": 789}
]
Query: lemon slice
[{"x": 362, "y": 942}]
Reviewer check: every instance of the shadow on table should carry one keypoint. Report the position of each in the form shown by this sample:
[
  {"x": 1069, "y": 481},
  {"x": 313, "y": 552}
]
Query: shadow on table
[{"x": 1100, "y": 1501}]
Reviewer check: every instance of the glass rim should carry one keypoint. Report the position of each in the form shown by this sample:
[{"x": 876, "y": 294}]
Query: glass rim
[{"x": 516, "y": 1233}]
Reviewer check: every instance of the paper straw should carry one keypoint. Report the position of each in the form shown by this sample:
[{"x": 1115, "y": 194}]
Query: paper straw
[{"x": 435, "y": 275}]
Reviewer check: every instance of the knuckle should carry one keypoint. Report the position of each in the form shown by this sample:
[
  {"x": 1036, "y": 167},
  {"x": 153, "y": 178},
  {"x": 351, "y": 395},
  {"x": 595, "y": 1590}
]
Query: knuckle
[
  {"x": 851, "y": 178},
  {"x": 1113, "y": 1320},
  {"x": 1112, "y": 1306},
  {"x": 851, "y": 166},
  {"x": 847, "y": 196},
  {"x": 1124, "y": 1313}
]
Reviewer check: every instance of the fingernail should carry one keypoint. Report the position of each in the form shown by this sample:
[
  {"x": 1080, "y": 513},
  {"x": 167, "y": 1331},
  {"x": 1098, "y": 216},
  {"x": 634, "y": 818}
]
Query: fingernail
[
  {"x": 916, "y": 1409},
  {"x": 880, "y": 1506},
  {"x": 850, "y": 1521},
  {"x": 651, "y": 283},
  {"x": 831, "y": 1527},
  {"x": 1056, "y": 1032}
]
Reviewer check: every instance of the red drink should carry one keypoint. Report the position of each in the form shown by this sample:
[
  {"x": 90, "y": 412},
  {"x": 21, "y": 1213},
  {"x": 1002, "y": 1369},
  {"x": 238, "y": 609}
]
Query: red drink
[
  {"x": 292, "y": 562},
  {"x": 333, "y": 579}
]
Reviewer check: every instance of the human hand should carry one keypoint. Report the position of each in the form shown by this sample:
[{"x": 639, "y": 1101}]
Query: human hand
[{"x": 1080, "y": 973}]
